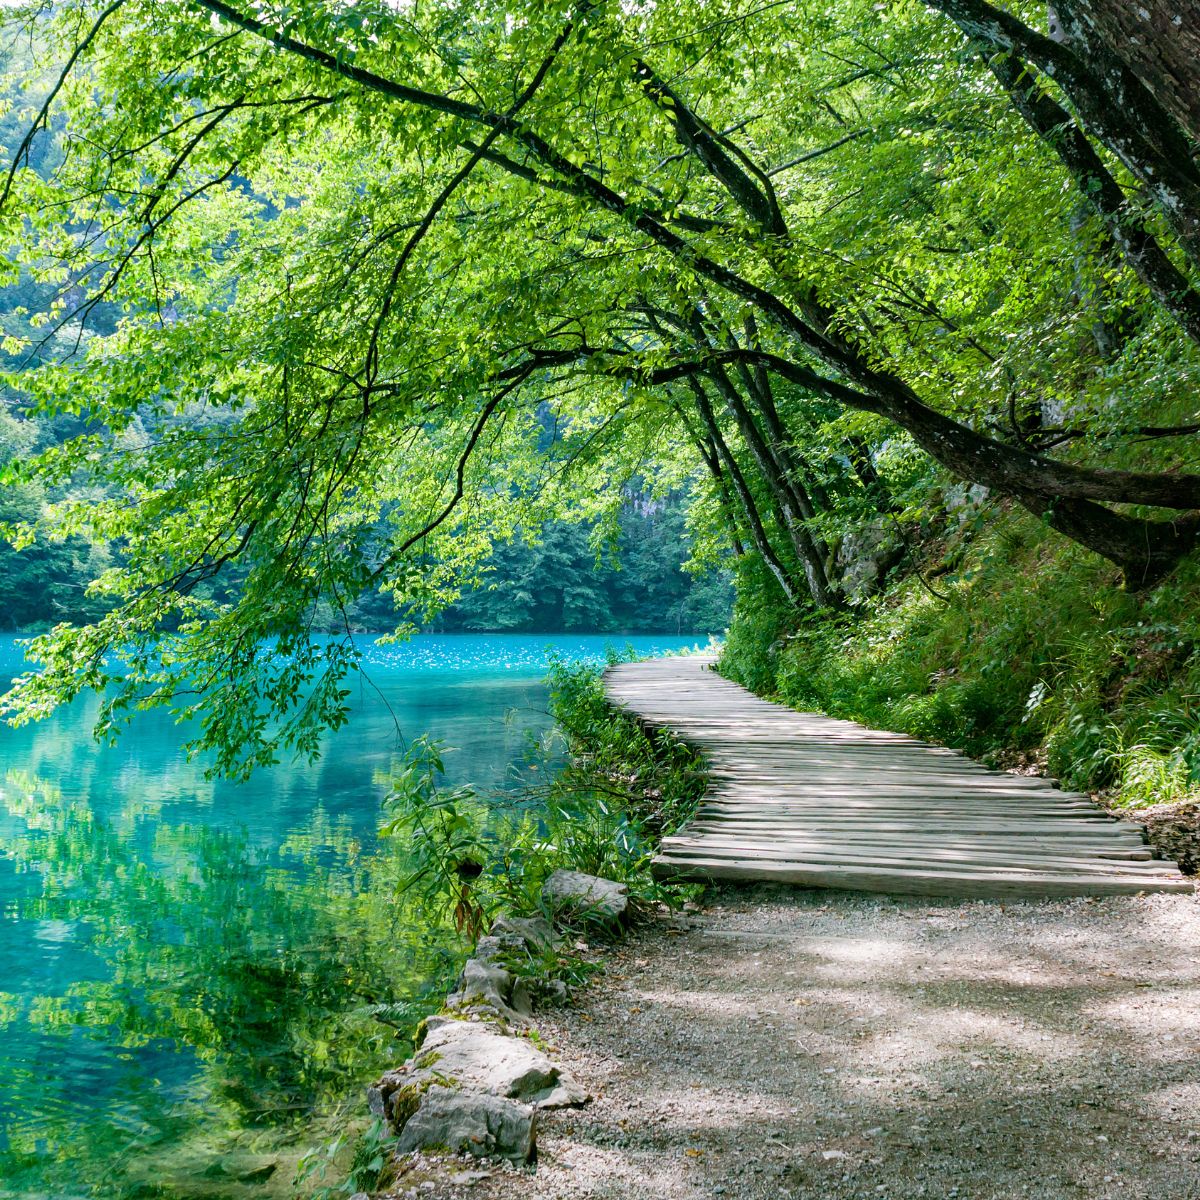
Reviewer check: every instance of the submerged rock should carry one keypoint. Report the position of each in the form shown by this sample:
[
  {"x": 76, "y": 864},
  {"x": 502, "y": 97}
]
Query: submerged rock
[
  {"x": 478, "y": 1123},
  {"x": 587, "y": 897}
]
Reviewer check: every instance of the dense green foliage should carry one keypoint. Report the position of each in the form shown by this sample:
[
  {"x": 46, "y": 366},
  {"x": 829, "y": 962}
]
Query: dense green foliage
[
  {"x": 559, "y": 577},
  {"x": 600, "y": 811},
  {"x": 557, "y": 580}
]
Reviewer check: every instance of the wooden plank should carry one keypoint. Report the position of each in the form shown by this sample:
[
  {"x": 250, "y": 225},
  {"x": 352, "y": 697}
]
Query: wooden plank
[
  {"x": 1136, "y": 880},
  {"x": 913, "y": 883},
  {"x": 801, "y": 845},
  {"x": 869, "y": 837},
  {"x": 736, "y": 800},
  {"x": 734, "y": 797},
  {"x": 1017, "y": 828},
  {"x": 868, "y": 788},
  {"x": 920, "y": 798},
  {"x": 771, "y": 763},
  {"x": 800, "y": 852},
  {"x": 735, "y": 803}
]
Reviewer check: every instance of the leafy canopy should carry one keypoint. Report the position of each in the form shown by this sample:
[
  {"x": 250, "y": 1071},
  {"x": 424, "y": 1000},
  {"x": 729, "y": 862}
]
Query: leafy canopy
[{"x": 396, "y": 281}]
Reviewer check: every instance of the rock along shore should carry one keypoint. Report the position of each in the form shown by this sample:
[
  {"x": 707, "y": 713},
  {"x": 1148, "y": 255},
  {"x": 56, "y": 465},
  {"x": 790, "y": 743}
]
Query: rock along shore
[
  {"x": 478, "y": 1081},
  {"x": 831, "y": 1046}
]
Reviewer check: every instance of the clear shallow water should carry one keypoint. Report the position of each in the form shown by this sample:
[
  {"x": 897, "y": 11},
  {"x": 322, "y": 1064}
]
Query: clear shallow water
[{"x": 185, "y": 965}]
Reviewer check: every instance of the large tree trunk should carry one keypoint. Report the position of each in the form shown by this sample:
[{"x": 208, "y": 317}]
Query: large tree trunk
[
  {"x": 1158, "y": 40},
  {"x": 1065, "y": 496},
  {"x": 1055, "y": 126},
  {"x": 1144, "y": 550},
  {"x": 1113, "y": 102}
]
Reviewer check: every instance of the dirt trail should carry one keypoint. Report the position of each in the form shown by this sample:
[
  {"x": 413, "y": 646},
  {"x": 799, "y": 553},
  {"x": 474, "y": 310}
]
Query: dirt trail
[{"x": 820, "y": 1044}]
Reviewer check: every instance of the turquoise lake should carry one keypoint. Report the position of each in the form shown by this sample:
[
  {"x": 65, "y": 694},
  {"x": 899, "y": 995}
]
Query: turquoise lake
[{"x": 194, "y": 975}]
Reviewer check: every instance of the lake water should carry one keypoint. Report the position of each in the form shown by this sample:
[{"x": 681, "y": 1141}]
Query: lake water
[{"x": 192, "y": 973}]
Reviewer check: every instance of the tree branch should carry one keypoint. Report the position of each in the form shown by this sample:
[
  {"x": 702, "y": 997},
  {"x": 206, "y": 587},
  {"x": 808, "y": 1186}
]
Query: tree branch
[{"x": 22, "y": 151}]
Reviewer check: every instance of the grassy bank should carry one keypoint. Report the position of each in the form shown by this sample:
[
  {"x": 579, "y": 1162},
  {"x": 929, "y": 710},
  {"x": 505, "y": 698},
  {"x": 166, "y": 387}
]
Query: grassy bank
[{"x": 1014, "y": 646}]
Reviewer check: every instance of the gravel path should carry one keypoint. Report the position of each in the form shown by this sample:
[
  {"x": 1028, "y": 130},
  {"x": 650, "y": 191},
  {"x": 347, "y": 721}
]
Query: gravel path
[{"x": 820, "y": 1044}]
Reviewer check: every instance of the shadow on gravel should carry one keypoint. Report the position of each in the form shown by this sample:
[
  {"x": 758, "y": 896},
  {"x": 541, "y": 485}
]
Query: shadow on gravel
[{"x": 819, "y": 1044}]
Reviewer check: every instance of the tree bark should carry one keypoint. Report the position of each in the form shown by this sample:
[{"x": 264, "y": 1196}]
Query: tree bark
[
  {"x": 1113, "y": 103},
  {"x": 1158, "y": 40},
  {"x": 973, "y": 455},
  {"x": 1144, "y": 550},
  {"x": 758, "y": 384},
  {"x": 1057, "y": 128}
]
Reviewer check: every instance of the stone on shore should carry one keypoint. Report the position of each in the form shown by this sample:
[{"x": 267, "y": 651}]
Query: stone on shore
[
  {"x": 478, "y": 1123},
  {"x": 481, "y": 1058},
  {"x": 535, "y": 932},
  {"x": 473, "y": 1057},
  {"x": 485, "y": 988},
  {"x": 572, "y": 894}
]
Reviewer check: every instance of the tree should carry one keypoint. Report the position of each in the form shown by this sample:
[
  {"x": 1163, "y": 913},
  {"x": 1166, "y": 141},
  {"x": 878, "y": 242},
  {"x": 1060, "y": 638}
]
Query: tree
[{"x": 362, "y": 247}]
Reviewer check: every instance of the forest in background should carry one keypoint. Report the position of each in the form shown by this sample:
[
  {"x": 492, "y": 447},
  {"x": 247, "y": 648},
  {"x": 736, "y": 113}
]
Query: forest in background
[
  {"x": 557, "y": 581},
  {"x": 562, "y": 577},
  {"x": 901, "y": 302}
]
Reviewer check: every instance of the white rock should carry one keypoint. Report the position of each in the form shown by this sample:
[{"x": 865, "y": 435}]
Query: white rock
[
  {"x": 474, "y": 1057},
  {"x": 478, "y": 1057},
  {"x": 574, "y": 894}
]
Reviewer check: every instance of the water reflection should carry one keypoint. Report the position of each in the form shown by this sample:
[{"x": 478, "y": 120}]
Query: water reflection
[{"x": 187, "y": 967}]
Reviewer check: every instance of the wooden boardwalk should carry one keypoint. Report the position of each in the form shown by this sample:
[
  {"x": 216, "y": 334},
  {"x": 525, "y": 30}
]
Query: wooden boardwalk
[{"x": 805, "y": 799}]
